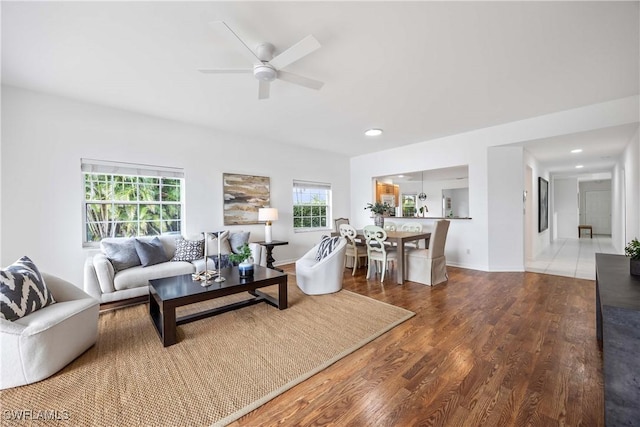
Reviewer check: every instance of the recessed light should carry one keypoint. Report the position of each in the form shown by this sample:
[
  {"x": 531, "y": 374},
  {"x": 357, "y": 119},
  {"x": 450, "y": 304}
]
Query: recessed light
[
  {"x": 400, "y": 176},
  {"x": 579, "y": 166},
  {"x": 577, "y": 150},
  {"x": 373, "y": 132}
]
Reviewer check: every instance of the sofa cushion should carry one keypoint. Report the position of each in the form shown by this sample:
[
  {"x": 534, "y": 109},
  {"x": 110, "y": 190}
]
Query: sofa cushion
[
  {"x": 212, "y": 244},
  {"x": 121, "y": 252},
  {"x": 22, "y": 290},
  {"x": 188, "y": 250},
  {"x": 237, "y": 240},
  {"x": 139, "y": 276},
  {"x": 150, "y": 252},
  {"x": 327, "y": 245}
]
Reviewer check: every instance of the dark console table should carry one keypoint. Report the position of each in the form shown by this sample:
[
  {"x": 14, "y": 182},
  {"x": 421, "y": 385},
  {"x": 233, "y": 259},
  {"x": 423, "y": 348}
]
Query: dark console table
[
  {"x": 618, "y": 327},
  {"x": 269, "y": 246}
]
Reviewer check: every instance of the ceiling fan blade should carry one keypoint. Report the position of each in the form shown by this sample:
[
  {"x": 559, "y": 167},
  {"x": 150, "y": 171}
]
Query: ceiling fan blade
[
  {"x": 263, "y": 89},
  {"x": 225, "y": 71},
  {"x": 295, "y": 52},
  {"x": 246, "y": 50},
  {"x": 299, "y": 80}
]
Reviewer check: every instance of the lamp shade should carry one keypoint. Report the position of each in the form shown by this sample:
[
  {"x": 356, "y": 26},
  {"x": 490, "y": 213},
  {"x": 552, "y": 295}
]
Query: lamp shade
[{"x": 267, "y": 214}]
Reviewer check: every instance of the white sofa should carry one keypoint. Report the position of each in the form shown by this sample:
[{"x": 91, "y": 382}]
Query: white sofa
[
  {"x": 41, "y": 343},
  {"x": 104, "y": 283}
]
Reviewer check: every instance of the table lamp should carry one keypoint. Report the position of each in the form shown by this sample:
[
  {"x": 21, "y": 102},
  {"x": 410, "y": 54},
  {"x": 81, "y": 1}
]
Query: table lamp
[{"x": 268, "y": 215}]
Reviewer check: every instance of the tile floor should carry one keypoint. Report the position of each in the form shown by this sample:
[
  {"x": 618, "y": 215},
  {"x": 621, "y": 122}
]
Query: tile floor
[{"x": 572, "y": 257}]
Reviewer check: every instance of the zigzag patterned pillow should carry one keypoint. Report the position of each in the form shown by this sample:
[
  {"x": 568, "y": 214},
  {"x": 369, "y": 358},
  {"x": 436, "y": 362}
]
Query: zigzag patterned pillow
[
  {"x": 188, "y": 250},
  {"x": 327, "y": 245},
  {"x": 22, "y": 290}
]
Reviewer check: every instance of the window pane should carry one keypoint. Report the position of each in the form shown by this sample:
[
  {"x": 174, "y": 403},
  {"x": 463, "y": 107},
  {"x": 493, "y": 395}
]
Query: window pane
[
  {"x": 128, "y": 212},
  {"x": 149, "y": 212},
  {"x": 125, "y": 191},
  {"x": 171, "y": 181},
  {"x": 306, "y": 222},
  {"x": 170, "y": 194},
  {"x": 170, "y": 226},
  {"x": 315, "y": 222},
  {"x": 126, "y": 229},
  {"x": 150, "y": 228},
  {"x": 149, "y": 193},
  {"x": 171, "y": 211},
  {"x": 146, "y": 180}
]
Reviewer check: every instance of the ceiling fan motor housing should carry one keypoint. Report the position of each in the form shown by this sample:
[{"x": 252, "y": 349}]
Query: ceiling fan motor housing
[{"x": 265, "y": 72}]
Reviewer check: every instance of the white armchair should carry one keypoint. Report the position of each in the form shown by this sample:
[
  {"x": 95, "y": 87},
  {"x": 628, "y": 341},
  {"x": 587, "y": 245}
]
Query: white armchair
[
  {"x": 324, "y": 276},
  {"x": 41, "y": 343}
]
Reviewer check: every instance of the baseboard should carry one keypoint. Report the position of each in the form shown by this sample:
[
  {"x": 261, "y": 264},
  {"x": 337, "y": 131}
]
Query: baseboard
[{"x": 114, "y": 305}]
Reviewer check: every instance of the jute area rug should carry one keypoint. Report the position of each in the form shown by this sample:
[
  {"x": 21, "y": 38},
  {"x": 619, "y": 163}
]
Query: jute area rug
[{"x": 221, "y": 368}]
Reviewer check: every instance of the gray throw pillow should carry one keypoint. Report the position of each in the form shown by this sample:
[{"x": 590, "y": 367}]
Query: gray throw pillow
[
  {"x": 23, "y": 290},
  {"x": 122, "y": 254},
  {"x": 151, "y": 252},
  {"x": 238, "y": 239}
]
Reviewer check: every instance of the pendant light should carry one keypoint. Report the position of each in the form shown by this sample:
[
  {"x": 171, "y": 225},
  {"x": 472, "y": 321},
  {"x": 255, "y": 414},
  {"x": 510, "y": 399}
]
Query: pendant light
[{"x": 422, "y": 196}]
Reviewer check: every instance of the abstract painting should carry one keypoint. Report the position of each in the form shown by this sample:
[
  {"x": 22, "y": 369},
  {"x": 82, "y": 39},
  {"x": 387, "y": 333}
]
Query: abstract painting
[
  {"x": 243, "y": 196},
  {"x": 543, "y": 204}
]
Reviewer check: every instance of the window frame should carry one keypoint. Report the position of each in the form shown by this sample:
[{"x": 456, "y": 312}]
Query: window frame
[
  {"x": 321, "y": 186},
  {"x": 113, "y": 170}
]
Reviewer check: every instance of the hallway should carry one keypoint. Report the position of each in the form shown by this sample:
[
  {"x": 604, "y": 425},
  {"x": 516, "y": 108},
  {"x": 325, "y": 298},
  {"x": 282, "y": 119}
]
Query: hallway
[{"x": 571, "y": 257}]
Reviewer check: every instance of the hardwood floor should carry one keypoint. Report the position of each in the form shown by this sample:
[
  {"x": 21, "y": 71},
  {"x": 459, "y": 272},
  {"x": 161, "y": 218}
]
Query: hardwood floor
[{"x": 492, "y": 349}]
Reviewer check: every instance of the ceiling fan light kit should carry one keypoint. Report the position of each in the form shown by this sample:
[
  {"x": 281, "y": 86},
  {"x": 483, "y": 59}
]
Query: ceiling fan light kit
[{"x": 268, "y": 68}]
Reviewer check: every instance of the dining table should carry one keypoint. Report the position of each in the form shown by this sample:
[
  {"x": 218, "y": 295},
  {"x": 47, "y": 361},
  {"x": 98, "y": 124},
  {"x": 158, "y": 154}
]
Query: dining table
[{"x": 399, "y": 238}]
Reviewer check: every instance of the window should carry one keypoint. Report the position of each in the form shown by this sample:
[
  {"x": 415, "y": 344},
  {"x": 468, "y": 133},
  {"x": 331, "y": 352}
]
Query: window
[
  {"x": 311, "y": 205},
  {"x": 122, "y": 199}
]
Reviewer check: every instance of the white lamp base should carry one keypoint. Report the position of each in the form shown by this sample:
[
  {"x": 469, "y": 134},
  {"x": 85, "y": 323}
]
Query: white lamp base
[{"x": 267, "y": 233}]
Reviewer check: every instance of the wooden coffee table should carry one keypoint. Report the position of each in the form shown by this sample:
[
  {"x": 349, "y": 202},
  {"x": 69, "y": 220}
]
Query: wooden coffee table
[{"x": 166, "y": 294}]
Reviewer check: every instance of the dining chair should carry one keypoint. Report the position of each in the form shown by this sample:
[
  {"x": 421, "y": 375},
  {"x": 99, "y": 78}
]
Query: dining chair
[
  {"x": 340, "y": 221},
  {"x": 416, "y": 227},
  {"x": 354, "y": 250},
  {"x": 377, "y": 251},
  {"x": 390, "y": 226},
  {"x": 429, "y": 266}
]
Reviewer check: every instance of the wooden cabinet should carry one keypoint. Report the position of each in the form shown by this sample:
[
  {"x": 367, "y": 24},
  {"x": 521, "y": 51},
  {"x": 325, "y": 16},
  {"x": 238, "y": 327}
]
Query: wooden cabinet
[{"x": 387, "y": 190}]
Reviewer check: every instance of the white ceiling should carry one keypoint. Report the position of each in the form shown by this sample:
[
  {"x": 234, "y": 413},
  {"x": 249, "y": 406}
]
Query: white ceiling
[{"x": 419, "y": 70}]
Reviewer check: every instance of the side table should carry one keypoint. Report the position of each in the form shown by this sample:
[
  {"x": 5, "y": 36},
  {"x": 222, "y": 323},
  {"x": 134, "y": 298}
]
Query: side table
[{"x": 269, "y": 247}]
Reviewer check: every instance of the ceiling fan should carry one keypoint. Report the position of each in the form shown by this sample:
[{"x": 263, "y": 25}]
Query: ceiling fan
[{"x": 266, "y": 67}]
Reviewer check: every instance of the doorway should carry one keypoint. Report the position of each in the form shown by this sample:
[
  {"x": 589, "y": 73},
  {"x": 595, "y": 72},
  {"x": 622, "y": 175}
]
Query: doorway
[{"x": 598, "y": 211}]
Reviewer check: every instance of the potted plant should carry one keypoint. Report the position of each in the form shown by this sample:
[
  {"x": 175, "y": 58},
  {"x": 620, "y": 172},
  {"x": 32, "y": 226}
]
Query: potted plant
[
  {"x": 632, "y": 250},
  {"x": 378, "y": 209},
  {"x": 242, "y": 258}
]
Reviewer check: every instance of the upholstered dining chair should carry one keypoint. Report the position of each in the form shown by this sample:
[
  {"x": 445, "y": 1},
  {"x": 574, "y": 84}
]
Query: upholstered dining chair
[
  {"x": 377, "y": 251},
  {"x": 415, "y": 227},
  {"x": 339, "y": 221},
  {"x": 354, "y": 250},
  {"x": 429, "y": 266}
]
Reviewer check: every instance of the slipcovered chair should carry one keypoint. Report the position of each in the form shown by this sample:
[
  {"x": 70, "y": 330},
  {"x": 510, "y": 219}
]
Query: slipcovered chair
[
  {"x": 377, "y": 251},
  {"x": 429, "y": 266},
  {"x": 354, "y": 250},
  {"x": 38, "y": 345},
  {"x": 325, "y": 276}
]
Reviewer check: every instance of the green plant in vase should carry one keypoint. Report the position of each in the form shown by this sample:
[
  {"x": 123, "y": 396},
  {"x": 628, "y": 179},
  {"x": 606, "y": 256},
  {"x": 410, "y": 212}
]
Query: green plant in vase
[
  {"x": 242, "y": 259},
  {"x": 632, "y": 250},
  {"x": 378, "y": 210}
]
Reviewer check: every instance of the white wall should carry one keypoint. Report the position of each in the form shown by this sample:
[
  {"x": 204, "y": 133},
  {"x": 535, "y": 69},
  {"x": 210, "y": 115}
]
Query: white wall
[
  {"x": 504, "y": 205},
  {"x": 470, "y": 238},
  {"x": 44, "y": 137},
  {"x": 631, "y": 166},
  {"x": 565, "y": 206},
  {"x": 539, "y": 240}
]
